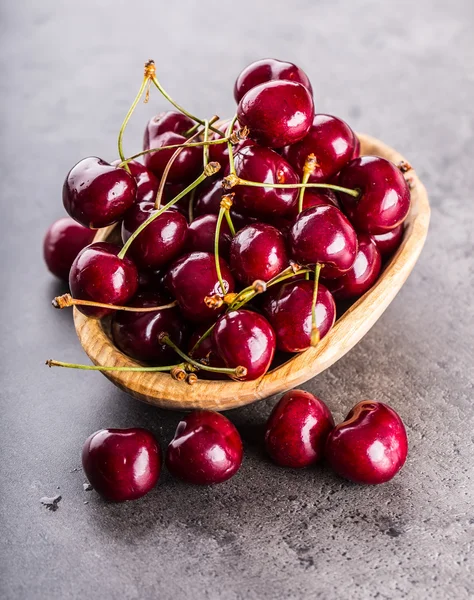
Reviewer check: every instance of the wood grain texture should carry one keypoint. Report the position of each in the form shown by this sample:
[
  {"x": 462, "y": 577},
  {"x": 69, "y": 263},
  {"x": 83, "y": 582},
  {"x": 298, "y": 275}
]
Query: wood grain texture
[{"x": 161, "y": 390}]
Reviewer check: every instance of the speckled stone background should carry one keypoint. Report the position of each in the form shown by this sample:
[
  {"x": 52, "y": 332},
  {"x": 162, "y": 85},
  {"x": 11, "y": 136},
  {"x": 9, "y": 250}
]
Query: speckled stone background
[{"x": 402, "y": 71}]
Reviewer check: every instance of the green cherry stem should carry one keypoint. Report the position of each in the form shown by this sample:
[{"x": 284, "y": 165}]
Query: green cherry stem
[
  {"x": 58, "y": 363},
  {"x": 232, "y": 180},
  {"x": 66, "y": 300},
  {"x": 228, "y": 218},
  {"x": 205, "y": 148},
  {"x": 228, "y": 133},
  {"x": 192, "y": 195},
  {"x": 308, "y": 170},
  {"x": 314, "y": 328},
  {"x": 220, "y": 216}
]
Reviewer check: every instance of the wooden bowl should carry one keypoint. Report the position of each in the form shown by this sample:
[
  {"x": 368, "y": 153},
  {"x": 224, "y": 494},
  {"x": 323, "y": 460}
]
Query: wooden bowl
[{"x": 163, "y": 391}]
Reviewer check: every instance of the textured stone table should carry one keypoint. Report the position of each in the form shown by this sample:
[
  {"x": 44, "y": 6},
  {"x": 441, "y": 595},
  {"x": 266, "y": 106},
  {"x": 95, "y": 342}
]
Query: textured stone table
[{"x": 403, "y": 74}]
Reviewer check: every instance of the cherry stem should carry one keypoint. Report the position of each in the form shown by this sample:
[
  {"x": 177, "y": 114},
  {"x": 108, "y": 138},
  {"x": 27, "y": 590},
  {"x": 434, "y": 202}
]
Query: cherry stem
[
  {"x": 228, "y": 133},
  {"x": 229, "y": 222},
  {"x": 216, "y": 248},
  {"x": 191, "y": 206},
  {"x": 231, "y": 181},
  {"x": 238, "y": 372},
  {"x": 308, "y": 170},
  {"x": 314, "y": 328},
  {"x": 212, "y": 167},
  {"x": 58, "y": 363},
  {"x": 205, "y": 152},
  {"x": 66, "y": 300}
]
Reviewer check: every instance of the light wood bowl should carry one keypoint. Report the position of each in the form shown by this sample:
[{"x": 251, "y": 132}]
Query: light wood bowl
[{"x": 163, "y": 391}]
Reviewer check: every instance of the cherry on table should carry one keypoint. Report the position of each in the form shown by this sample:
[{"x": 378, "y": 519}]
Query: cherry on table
[
  {"x": 147, "y": 183},
  {"x": 63, "y": 241},
  {"x": 201, "y": 235},
  {"x": 389, "y": 241},
  {"x": 122, "y": 464},
  {"x": 370, "y": 446}
]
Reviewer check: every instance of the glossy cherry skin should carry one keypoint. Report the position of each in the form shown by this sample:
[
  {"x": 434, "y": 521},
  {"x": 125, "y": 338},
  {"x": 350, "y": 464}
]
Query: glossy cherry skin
[
  {"x": 136, "y": 333},
  {"x": 245, "y": 338},
  {"x": 323, "y": 234},
  {"x": 297, "y": 430},
  {"x": 122, "y": 464},
  {"x": 278, "y": 113},
  {"x": 331, "y": 140},
  {"x": 384, "y": 199},
  {"x": 147, "y": 183},
  {"x": 388, "y": 242},
  {"x": 257, "y": 252},
  {"x": 167, "y": 129},
  {"x": 207, "y": 200},
  {"x": 206, "y": 352},
  {"x": 316, "y": 197},
  {"x": 63, "y": 241},
  {"x": 206, "y": 449},
  {"x": 370, "y": 446},
  {"x": 289, "y": 307},
  {"x": 361, "y": 276},
  {"x": 268, "y": 69},
  {"x": 193, "y": 277},
  {"x": 161, "y": 241},
  {"x": 201, "y": 235},
  {"x": 97, "y": 194},
  {"x": 255, "y": 163}
]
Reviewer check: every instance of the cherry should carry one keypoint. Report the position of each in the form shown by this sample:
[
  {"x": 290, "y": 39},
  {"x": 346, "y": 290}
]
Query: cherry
[
  {"x": 322, "y": 234},
  {"x": 297, "y": 430},
  {"x": 245, "y": 338},
  {"x": 98, "y": 274},
  {"x": 370, "y": 446},
  {"x": 288, "y": 308},
  {"x": 122, "y": 464},
  {"x": 316, "y": 197},
  {"x": 220, "y": 152},
  {"x": 147, "y": 183},
  {"x": 193, "y": 277},
  {"x": 201, "y": 235},
  {"x": 384, "y": 199},
  {"x": 208, "y": 198},
  {"x": 97, "y": 194},
  {"x": 150, "y": 281},
  {"x": 255, "y": 163},
  {"x": 161, "y": 241},
  {"x": 389, "y": 241},
  {"x": 63, "y": 241},
  {"x": 333, "y": 143},
  {"x": 361, "y": 276},
  {"x": 277, "y": 113},
  {"x": 268, "y": 69},
  {"x": 167, "y": 129},
  {"x": 206, "y": 449},
  {"x": 136, "y": 333},
  {"x": 206, "y": 352},
  {"x": 257, "y": 252}
]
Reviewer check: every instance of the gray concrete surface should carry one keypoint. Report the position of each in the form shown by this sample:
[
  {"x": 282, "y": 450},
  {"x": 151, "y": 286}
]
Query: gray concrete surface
[{"x": 402, "y": 71}]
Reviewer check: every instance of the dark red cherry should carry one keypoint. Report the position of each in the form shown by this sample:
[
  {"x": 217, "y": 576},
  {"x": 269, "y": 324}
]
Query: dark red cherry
[
  {"x": 206, "y": 449},
  {"x": 384, "y": 199},
  {"x": 245, "y": 338},
  {"x": 278, "y": 113},
  {"x": 201, "y": 235},
  {"x": 370, "y": 446},
  {"x": 255, "y": 163},
  {"x": 332, "y": 142},
  {"x": 63, "y": 241},
  {"x": 361, "y": 276},
  {"x": 136, "y": 333},
  {"x": 122, "y": 464},
  {"x": 168, "y": 129},
  {"x": 389, "y": 241},
  {"x": 147, "y": 183},
  {"x": 97, "y": 194},
  {"x": 150, "y": 281},
  {"x": 268, "y": 69},
  {"x": 322, "y": 234},
  {"x": 207, "y": 200},
  {"x": 206, "y": 352},
  {"x": 193, "y": 277},
  {"x": 297, "y": 430},
  {"x": 98, "y": 274},
  {"x": 289, "y": 307},
  {"x": 161, "y": 241},
  {"x": 242, "y": 220},
  {"x": 257, "y": 252},
  {"x": 316, "y": 197}
]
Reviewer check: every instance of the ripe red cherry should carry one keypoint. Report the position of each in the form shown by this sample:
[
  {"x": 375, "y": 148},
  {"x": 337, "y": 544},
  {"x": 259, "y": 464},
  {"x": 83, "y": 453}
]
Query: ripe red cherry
[
  {"x": 245, "y": 338},
  {"x": 122, "y": 464},
  {"x": 201, "y": 235},
  {"x": 147, "y": 183},
  {"x": 97, "y": 194},
  {"x": 322, "y": 234},
  {"x": 288, "y": 308},
  {"x": 316, "y": 197},
  {"x": 63, "y": 241},
  {"x": 277, "y": 113},
  {"x": 167, "y": 129},
  {"x": 297, "y": 430},
  {"x": 361, "y": 276},
  {"x": 193, "y": 277},
  {"x": 268, "y": 69},
  {"x": 370, "y": 446},
  {"x": 206, "y": 449},
  {"x": 161, "y": 241},
  {"x": 137, "y": 333},
  {"x": 98, "y": 274},
  {"x": 331, "y": 140},
  {"x": 388, "y": 242},
  {"x": 255, "y": 163},
  {"x": 384, "y": 199},
  {"x": 207, "y": 200}
]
